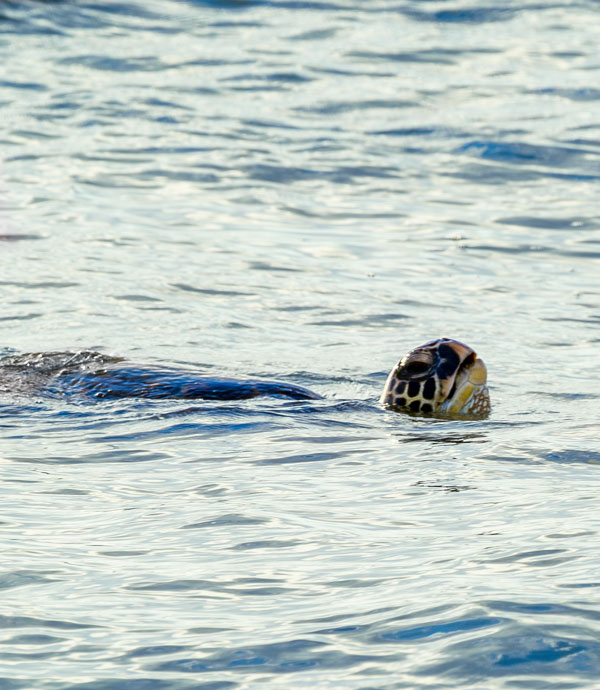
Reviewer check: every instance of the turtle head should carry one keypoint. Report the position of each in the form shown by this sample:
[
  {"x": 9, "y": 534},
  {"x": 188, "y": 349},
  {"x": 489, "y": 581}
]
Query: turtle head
[{"x": 443, "y": 378}]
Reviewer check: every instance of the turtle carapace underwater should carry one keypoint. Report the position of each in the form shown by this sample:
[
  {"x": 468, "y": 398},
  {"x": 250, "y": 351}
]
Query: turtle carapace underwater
[{"x": 442, "y": 378}]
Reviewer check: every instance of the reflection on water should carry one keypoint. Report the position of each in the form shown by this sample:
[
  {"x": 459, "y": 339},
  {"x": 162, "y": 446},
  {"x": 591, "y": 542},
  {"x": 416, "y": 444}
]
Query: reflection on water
[
  {"x": 300, "y": 192},
  {"x": 445, "y": 438}
]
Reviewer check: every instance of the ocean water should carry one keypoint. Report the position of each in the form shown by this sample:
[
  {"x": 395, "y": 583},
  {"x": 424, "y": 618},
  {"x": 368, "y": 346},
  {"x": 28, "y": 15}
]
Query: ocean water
[{"x": 301, "y": 191}]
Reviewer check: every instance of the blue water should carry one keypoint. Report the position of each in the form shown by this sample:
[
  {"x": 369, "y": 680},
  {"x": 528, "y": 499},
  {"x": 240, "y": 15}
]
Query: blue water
[{"x": 301, "y": 191}]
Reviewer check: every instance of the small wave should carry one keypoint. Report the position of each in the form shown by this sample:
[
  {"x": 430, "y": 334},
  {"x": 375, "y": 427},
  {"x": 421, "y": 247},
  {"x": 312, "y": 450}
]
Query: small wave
[
  {"x": 534, "y": 160},
  {"x": 277, "y": 657}
]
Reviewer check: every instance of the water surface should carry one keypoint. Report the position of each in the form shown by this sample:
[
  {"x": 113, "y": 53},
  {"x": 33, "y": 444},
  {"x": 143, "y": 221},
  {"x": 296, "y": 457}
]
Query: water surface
[{"x": 301, "y": 191}]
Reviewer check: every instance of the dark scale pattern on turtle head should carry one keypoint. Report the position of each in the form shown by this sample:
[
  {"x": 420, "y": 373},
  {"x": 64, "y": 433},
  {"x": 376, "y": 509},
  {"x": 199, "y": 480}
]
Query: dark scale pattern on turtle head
[
  {"x": 413, "y": 388},
  {"x": 449, "y": 361},
  {"x": 429, "y": 389}
]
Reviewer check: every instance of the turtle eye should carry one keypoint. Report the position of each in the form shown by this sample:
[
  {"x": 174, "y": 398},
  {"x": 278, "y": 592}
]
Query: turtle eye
[{"x": 416, "y": 366}]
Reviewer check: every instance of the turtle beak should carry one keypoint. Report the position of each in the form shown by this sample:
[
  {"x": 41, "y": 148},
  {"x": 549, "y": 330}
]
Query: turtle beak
[{"x": 471, "y": 395}]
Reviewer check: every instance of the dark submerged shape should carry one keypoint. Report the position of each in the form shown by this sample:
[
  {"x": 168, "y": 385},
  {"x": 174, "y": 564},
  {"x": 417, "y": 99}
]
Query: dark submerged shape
[
  {"x": 149, "y": 383},
  {"x": 98, "y": 376}
]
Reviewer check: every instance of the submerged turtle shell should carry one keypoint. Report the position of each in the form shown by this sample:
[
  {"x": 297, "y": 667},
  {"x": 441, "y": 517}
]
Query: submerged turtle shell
[{"x": 92, "y": 374}]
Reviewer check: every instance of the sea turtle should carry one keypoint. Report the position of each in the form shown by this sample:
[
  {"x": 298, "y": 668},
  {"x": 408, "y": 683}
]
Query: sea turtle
[{"x": 440, "y": 378}]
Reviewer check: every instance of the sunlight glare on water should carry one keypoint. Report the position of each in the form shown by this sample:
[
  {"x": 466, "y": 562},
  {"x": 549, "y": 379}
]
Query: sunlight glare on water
[{"x": 301, "y": 192}]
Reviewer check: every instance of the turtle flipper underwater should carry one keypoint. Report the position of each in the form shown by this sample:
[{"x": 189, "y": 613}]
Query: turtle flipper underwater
[{"x": 442, "y": 378}]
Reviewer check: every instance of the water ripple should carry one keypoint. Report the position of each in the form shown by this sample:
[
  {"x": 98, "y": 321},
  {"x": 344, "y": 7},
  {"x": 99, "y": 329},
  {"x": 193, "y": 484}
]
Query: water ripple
[{"x": 280, "y": 657}]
